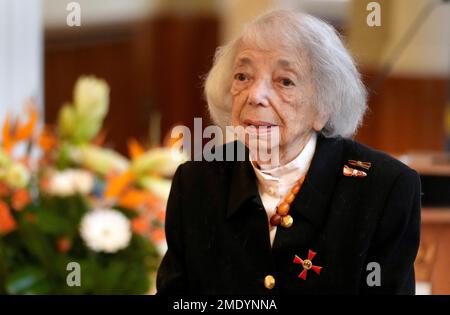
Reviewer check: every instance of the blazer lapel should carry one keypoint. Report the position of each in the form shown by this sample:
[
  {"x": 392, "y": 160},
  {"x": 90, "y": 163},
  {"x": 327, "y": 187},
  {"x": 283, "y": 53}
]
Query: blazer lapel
[
  {"x": 247, "y": 219},
  {"x": 310, "y": 207}
]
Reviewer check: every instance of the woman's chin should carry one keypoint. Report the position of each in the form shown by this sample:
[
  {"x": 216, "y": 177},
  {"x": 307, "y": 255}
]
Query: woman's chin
[{"x": 264, "y": 152}]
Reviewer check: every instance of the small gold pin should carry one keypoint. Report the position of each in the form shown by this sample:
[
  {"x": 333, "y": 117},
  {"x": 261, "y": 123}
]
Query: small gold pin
[
  {"x": 365, "y": 165},
  {"x": 351, "y": 172}
]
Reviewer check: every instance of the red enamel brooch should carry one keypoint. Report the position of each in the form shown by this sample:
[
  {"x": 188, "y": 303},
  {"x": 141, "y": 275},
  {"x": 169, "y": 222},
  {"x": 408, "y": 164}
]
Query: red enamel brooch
[{"x": 307, "y": 264}]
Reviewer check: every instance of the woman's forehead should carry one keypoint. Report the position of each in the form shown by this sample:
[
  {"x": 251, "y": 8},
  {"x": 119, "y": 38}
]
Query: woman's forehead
[{"x": 280, "y": 56}]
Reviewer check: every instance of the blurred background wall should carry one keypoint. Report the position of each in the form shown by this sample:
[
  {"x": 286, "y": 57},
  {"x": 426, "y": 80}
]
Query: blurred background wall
[
  {"x": 408, "y": 107},
  {"x": 155, "y": 53},
  {"x": 152, "y": 53}
]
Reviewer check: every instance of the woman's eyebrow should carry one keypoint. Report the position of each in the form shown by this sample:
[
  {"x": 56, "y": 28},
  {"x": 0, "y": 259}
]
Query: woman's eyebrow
[
  {"x": 243, "y": 61},
  {"x": 284, "y": 63},
  {"x": 289, "y": 66}
]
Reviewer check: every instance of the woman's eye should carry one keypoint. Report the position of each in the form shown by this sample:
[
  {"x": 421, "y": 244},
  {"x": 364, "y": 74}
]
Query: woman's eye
[
  {"x": 287, "y": 82},
  {"x": 240, "y": 77}
]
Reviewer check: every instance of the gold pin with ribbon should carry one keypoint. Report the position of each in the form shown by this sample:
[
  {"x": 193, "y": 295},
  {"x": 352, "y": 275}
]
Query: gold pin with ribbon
[
  {"x": 364, "y": 165},
  {"x": 352, "y": 172}
]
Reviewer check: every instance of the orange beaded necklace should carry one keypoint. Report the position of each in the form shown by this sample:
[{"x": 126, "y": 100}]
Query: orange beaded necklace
[{"x": 281, "y": 217}]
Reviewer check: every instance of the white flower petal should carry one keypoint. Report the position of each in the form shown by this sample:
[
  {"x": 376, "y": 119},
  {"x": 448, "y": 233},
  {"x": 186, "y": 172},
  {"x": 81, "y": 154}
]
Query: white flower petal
[{"x": 106, "y": 230}]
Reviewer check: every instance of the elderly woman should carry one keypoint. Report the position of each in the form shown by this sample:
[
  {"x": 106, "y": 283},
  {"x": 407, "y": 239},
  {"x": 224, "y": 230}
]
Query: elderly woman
[{"x": 334, "y": 216}]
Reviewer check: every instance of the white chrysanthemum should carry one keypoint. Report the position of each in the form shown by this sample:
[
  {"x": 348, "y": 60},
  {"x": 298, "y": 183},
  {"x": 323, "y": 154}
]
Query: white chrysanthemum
[
  {"x": 70, "y": 182},
  {"x": 61, "y": 184},
  {"x": 106, "y": 230},
  {"x": 83, "y": 181}
]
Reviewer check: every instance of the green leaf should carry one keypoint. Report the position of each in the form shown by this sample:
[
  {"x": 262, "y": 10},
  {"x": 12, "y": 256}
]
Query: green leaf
[
  {"x": 53, "y": 222},
  {"x": 86, "y": 129},
  {"x": 27, "y": 280},
  {"x": 37, "y": 244},
  {"x": 61, "y": 216},
  {"x": 136, "y": 280},
  {"x": 111, "y": 277},
  {"x": 63, "y": 159}
]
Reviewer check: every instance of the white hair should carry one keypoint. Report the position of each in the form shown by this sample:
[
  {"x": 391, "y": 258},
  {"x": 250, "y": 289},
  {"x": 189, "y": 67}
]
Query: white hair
[{"x": 340, "y": 94}]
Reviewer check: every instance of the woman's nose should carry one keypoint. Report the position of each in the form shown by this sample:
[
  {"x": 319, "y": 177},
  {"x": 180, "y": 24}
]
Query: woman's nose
[{"x": 259, "y": 93}]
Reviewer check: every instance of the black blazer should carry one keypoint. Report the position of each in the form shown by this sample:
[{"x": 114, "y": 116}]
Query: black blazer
[{"x": 218, "y": 237}]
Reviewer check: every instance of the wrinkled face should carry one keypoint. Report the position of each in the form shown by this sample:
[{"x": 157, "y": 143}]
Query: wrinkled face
[{"x": 274, "y": 89}]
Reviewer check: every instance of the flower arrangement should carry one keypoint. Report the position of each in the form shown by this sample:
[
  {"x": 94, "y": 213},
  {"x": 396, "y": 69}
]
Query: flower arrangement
[{"x": 65, "y": 198}]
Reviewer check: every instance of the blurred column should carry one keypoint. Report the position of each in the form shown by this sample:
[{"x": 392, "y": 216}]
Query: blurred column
[
  {"x": 368, "y": 44},
  {"x": 20, "y": 54},
  {"x": 426, "y": 54},
  {"x": 235, "y": 13}
]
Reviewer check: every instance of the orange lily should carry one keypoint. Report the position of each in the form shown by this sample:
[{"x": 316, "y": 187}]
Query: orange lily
[
  {"x": 20, "y": 199},
  {"x": 25, "y": 131},
  {"x": 47, "y": 140},
  {"x": 7, "y": 222},
  {"x": 134, "y": 198},
  {"x": 6, "y": 133},
  {"x": 140, "y": 225},
  {"x": 116, "y": 184},
  {"x": 4, "y": 190},
  {"x": 135, "y": 149},
  {"x": 157, "y": 235},
  {"x": 14, "y": 133}
]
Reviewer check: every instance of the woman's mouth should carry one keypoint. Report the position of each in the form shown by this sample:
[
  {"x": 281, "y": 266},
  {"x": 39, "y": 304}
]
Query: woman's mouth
[{"x": 258, "y": 126}]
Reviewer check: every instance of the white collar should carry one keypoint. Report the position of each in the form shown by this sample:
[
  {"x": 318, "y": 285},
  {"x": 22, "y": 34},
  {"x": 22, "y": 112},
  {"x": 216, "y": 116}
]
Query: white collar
[{"x": 278, "y": 180}]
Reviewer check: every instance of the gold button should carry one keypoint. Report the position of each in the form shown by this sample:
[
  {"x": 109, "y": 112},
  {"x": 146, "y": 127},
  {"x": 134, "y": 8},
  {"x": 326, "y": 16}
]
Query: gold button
[
  {"x": 287, "y": 221},
  {"x": 269, "y": 282}
]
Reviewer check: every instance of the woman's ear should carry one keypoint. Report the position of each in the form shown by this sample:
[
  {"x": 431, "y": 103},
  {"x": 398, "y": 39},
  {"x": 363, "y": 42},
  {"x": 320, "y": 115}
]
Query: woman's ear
[{"x": 320, "y": 121}]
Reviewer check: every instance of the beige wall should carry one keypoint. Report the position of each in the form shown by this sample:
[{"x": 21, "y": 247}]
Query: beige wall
[
  {"x": 429, "y": 51},
  {"x": 426, "y": 55},
  {"x": 367, "y": 44},
  {"x": 235, "y": 13}
]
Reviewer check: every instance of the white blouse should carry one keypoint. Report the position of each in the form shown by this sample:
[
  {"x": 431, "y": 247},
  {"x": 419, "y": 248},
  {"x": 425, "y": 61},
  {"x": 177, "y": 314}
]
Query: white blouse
[{"x": 275, "y": 183}]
